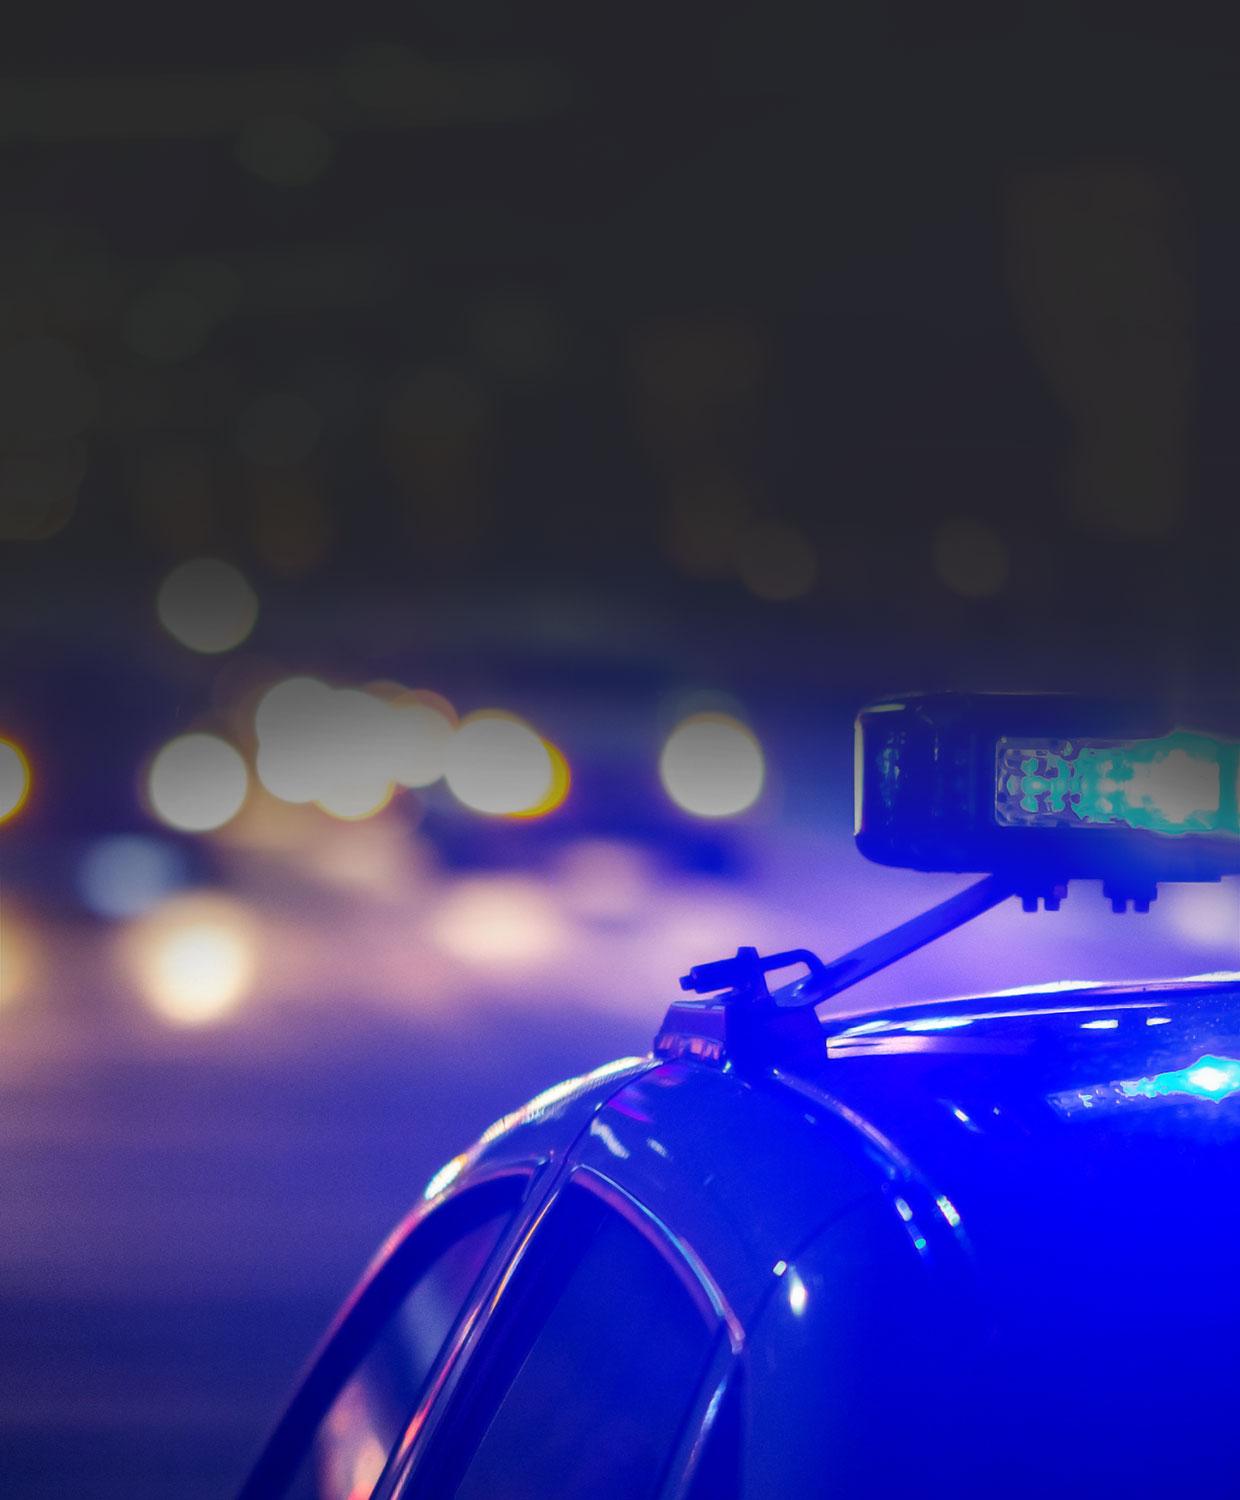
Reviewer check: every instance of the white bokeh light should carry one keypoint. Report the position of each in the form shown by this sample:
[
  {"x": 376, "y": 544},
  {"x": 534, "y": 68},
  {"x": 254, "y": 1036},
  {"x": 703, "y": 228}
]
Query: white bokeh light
[
  {"x": 499, "y": 920},
  {"x": 289, "y": 706},
  {"x": 290, "y": 721},
  {"x": 347, "y": 750},
  {"x": 712, "y": 766},
  {"x": 207, "y": 605},
  {"x": 193, "y": 959},
  {"x": 604, "y": 882},
  {"x": 499, "y": 765},
  {"x": 354, "y": 754},
  {"x": 421, "y": 737},
  {"x": 14, "y": 779},
  {"x": 197, "y": 782},
  {"x": 333, "y": 747}
]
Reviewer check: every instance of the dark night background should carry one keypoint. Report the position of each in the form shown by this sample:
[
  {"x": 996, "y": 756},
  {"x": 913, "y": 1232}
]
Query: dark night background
[{"x": 601, "y": 364}]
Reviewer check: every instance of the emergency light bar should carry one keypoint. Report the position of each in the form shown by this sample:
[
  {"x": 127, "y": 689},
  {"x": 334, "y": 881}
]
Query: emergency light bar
[
  {"x": 1045, "y": 789},
  {"x": 1034, "y": 791}
]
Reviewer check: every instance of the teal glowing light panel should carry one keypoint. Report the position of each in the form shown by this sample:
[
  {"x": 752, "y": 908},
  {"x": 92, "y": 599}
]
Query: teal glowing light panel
[{"x": 1181, "y": 783}]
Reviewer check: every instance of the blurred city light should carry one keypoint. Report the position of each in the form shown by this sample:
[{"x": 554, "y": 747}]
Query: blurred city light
[
  {"x": 286, "y": 150},
  {"x": 39, "y": 489},
  {"x": 706, "y": 521},
  {"x": 289, "y": 706},
  {"x": 712, "y": 766},
  {"x": 970, "y": 557},
  {"x": 289, "y": 722},
  {"x": 499, "y": 765},
  {"x": 353, "y": 754},
  {"x": 422, "y": 728},
  {"x": 197, "y": 782},
  {"x": 291, "y": 524},
  {"x": 352, "y": 798},
  {"x": 278, "y": 430},
  {"x": 604, "y": 882},
  {"x": 336, "y": 747},
  {"x": 776, "y": 561},
  {"x": 127, "y": 874},
  {"x": 193, "y": 959},
  {"x": 517, "y": 334},
  {"x": 19, "y": 956},
  {"x": 173, "y": 318},
  {"x": 561, "y": 780},
  {"x": 14, "y": 779},
  {"x": 207, "y": 605},
  {"x": 501, "y": 920}
]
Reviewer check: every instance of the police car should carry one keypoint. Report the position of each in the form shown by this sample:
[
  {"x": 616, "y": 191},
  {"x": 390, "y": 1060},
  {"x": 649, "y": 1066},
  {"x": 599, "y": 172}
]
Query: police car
[{"x": 961, "y": 1248}]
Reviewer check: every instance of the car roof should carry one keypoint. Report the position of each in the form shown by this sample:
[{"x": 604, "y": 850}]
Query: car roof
[
  {"x": 1220, "y": 980},
  {"x": 568, "y": 1102},
  {"x": 1059, "y": 997},
  {"x": 1100, "y": 1027}
]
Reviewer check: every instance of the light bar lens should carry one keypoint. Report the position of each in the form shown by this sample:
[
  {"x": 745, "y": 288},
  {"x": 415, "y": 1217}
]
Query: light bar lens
[{"x": 1181, "y": 783}]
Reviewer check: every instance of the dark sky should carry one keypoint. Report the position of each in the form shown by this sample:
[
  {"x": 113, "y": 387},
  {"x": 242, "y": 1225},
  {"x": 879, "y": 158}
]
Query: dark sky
[{"x": 913, "y": 332}]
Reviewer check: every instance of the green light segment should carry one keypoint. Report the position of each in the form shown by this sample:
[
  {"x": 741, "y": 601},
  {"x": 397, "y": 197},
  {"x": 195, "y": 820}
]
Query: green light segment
[{"x": 1177, "y": 784}]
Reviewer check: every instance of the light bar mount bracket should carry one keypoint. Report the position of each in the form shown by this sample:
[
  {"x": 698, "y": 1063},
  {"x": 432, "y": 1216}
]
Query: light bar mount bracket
[{"x": 744, "y": 1017}]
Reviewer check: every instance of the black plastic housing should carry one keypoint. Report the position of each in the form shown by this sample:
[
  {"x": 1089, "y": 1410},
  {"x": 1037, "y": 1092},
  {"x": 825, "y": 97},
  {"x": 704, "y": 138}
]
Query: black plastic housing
[{"x": 925, "y": 793}]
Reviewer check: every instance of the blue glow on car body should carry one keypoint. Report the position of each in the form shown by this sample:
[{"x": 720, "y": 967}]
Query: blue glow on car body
[
  {"x": 948, "y": 1209},
  {"x": 1213, "y": 1078}
]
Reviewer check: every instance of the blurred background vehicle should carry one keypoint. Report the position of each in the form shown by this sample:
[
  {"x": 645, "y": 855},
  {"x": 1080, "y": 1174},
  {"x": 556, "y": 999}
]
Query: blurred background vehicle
[{"x": 457, "y": 481}]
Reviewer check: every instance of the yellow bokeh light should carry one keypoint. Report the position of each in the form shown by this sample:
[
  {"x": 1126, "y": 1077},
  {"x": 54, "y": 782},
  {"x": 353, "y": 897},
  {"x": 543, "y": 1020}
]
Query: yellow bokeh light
[
  {"x": 561, "y": 780},
  {"x": 207, "y": 605},
  {"x": 14, "y": 779},
  {"x": 712, "y": 766},
  {"x": 193, "y": 959},
  {"x": 498, "y": 765},
  {"x": 197, "y": 782}
]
